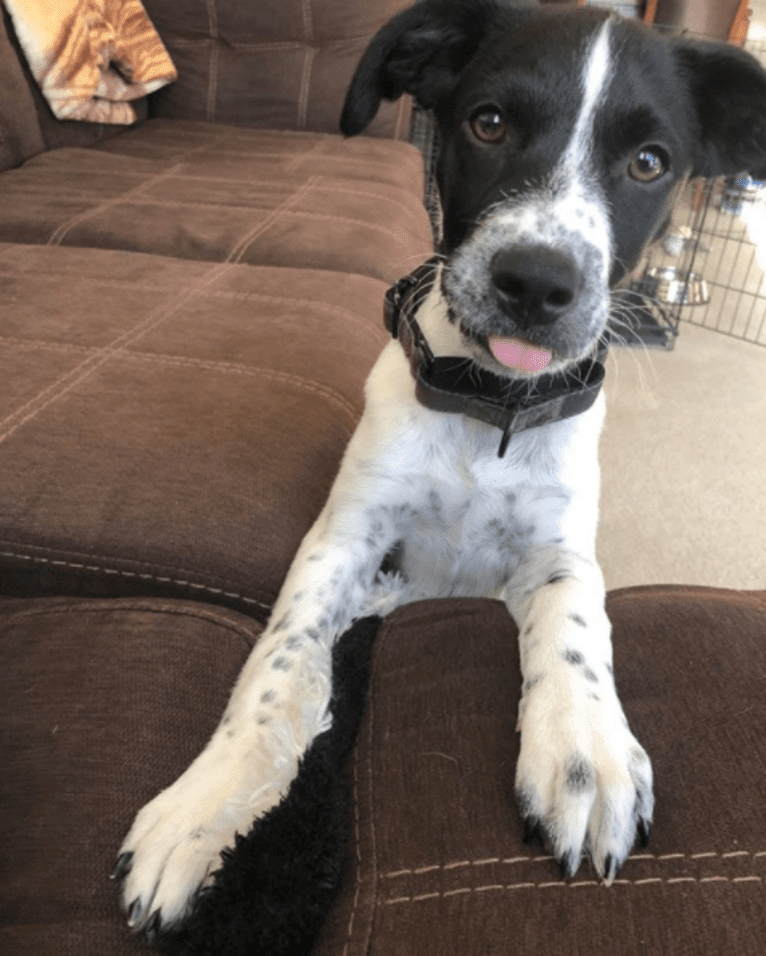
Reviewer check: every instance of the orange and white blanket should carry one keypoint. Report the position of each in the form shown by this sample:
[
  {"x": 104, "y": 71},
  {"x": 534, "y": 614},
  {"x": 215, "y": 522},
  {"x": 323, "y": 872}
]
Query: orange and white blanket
[{"x": 91, "y": 57}]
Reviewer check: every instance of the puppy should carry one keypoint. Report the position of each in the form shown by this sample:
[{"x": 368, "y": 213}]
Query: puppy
[{"x": 563, "y": 136}]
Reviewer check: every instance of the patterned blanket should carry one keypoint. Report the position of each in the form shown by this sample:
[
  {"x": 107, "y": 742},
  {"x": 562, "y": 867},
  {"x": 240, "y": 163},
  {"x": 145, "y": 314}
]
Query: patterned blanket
[{"x": 90, "y": 57}]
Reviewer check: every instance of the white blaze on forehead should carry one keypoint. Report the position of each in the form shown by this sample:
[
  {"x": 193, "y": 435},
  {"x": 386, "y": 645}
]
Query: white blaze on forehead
[
  {"x": 579, "y": 201},
  {"x": 596, "y": 76}
]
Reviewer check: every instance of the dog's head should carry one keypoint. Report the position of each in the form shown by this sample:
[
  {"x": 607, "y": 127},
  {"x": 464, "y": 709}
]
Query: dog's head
[{"x": 563, "y": 134}]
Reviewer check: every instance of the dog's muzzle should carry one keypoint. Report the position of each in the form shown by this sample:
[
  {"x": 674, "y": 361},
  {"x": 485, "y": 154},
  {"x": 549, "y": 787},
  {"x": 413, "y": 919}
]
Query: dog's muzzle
[{"x": 512, "y": 405}]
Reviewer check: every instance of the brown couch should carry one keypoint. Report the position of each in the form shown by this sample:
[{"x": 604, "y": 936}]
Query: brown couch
[{"x": 188, "y": 311}]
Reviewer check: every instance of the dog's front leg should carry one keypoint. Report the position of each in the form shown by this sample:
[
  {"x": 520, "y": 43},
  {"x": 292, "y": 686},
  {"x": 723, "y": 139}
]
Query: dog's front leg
[
  {"x": 278, "y": 706},
  {"x": 583, "y": 782}
]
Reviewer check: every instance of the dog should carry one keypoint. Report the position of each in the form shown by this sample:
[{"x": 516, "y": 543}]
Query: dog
[{"x": 564, "y": 134}]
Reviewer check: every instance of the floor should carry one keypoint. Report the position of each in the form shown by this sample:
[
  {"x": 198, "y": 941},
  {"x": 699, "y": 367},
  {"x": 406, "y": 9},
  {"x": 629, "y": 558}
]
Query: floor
[
  {"x": 683, "y": 460},
  {"x": 758, "y": 20}
]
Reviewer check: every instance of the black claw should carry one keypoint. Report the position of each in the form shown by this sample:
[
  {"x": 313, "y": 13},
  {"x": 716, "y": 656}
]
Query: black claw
[
  {"x": 122, "y": 867},
  {"x": 153, "y": 926},
  {"x": 644, "y": 832},
  {"x": 135, "y": 914},
  {"x": 569, "y": 864},
  {"x": 531, "y": 829},
  {"x": 610, "y": 867}
]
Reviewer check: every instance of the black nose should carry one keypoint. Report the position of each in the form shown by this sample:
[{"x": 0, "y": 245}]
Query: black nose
[{"x": 534, "y": 285}]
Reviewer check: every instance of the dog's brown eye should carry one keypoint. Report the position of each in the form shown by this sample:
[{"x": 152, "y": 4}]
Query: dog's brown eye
[
  {"x": 489, "y": 126},
  {"x": 648, "y": 164}
]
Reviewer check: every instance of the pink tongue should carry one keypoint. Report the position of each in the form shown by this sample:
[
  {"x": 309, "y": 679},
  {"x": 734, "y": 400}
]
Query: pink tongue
[{"x": 519, "y": 354}]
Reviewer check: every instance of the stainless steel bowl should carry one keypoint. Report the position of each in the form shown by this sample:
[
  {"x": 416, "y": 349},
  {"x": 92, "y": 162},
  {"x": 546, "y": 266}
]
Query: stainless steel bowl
[{"x": 671, "y": 285}]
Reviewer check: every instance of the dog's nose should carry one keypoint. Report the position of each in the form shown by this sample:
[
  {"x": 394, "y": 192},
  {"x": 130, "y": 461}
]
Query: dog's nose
[{"x": 534, "y": 285}]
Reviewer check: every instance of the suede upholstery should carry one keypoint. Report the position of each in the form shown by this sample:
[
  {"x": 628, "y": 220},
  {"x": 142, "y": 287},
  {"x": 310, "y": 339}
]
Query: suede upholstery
[
  {"x": 20, "y": 133},
  {"x": 221, "y": 194},
  {"x": 188, "y": 312},
  {"x": 437, "y": 859},
  {"x": 105, "y": 701},
  {"x": 278, "y": 64}
]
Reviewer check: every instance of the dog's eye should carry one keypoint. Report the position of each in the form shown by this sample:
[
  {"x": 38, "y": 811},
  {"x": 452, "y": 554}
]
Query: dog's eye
[
  {"x": 488, "y": 126},
  {"x": 649, "y": 163}
]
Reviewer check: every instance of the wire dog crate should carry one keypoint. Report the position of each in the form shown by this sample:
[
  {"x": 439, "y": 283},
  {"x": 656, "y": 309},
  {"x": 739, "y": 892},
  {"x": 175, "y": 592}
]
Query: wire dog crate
[{"x": 708, "y": 267}]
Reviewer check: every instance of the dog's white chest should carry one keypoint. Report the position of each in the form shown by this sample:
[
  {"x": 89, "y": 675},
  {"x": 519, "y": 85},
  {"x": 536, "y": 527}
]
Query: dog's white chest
[
  {"x": 463, "y": 517},
  {"x": 465, "y": 540}
]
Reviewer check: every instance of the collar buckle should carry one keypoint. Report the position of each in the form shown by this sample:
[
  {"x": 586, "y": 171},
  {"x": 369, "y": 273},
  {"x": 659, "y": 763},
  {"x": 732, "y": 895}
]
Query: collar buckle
[{"x": 396, "y": 297}]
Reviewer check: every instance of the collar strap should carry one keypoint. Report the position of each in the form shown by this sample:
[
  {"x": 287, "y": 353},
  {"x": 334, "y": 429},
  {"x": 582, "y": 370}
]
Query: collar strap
[{"x": 456, "y": 384}]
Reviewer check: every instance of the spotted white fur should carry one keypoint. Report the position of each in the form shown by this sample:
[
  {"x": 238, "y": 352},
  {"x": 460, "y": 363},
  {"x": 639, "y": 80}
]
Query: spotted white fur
[
  {"x": 469, "y": 523},
  {"x": 465, "y": 522}
]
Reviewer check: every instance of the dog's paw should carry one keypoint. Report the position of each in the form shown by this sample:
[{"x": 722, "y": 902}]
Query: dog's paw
[
  {"x": 583, "y": 782},
  {"x": 174, "y": 846}
]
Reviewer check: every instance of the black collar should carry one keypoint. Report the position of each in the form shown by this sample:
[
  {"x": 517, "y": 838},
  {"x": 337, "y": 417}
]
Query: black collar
[{"x": 445, "y": 384}]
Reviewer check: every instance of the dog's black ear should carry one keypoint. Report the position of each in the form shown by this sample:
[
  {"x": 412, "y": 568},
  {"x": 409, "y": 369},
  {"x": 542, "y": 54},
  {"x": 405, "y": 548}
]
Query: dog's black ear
[
  {"x": 728, "y": 86},
  {"x": 421, "y": 51}
]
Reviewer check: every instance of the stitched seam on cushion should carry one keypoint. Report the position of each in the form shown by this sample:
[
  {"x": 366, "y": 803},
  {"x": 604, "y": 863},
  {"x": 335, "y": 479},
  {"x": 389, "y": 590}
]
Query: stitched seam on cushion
[
  {"x": 204, "y": 293},
  {"x": 361, "y": 324},
  {"x": 181, "y": 204},
  {"x": 303, "y": 97},
  {"x": 249, "y": 238},
  {"x": 268, "y": 45},
  {"x": 325, "y": 157},
  {"x": 358, "y": 856},
  {"x": 308, "y": 22},
  {"x": 333, "y": 397},
  {"x": 385, "y": 165},
  {"x": 492, "y": 861},
  {"x": 47, "y": 346},
  {"x": 187, "y": 43},
  {"x": 105, "y": 559},
  {"x": 399, "y": 236},
  {"x": 60, "y": 233},
  {"x": 141, "y": 576},
  {"x": 212, "y": 90},
  {"x": 81, "y": 372},
  {"x": 560, "y": 884},
  {"x": 459, "y": 864},
  {"x": 308, "y": 63},
  {"x": 409, "y": 210},
  {"x": 212, "y": 83},
  {"x": 87, "y": 606},
  {"x": 269, "y": 185}
]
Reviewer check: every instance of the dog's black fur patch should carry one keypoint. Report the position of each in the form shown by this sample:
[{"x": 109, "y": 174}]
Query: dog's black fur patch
[{"x": 277, "y": 885}]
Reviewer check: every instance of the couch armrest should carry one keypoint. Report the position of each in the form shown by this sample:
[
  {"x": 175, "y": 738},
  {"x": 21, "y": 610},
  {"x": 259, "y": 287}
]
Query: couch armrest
[
  {"x": 437, "y": 863},
  {"x": 20, "y": 133}
]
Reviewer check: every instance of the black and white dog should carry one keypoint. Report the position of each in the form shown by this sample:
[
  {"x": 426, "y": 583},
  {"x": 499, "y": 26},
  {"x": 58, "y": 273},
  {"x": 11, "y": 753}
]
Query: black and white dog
[{"x": 563, "y": 133}]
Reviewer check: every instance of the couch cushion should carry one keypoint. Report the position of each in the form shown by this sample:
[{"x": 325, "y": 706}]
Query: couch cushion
[
  {"x": 196, "y": 191},
  {"x": 437, "y": 866},
  {"x": 280, "y": 64},
  {"x": 168, "y": 427},
  {"x": 102, "y": 704}
]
